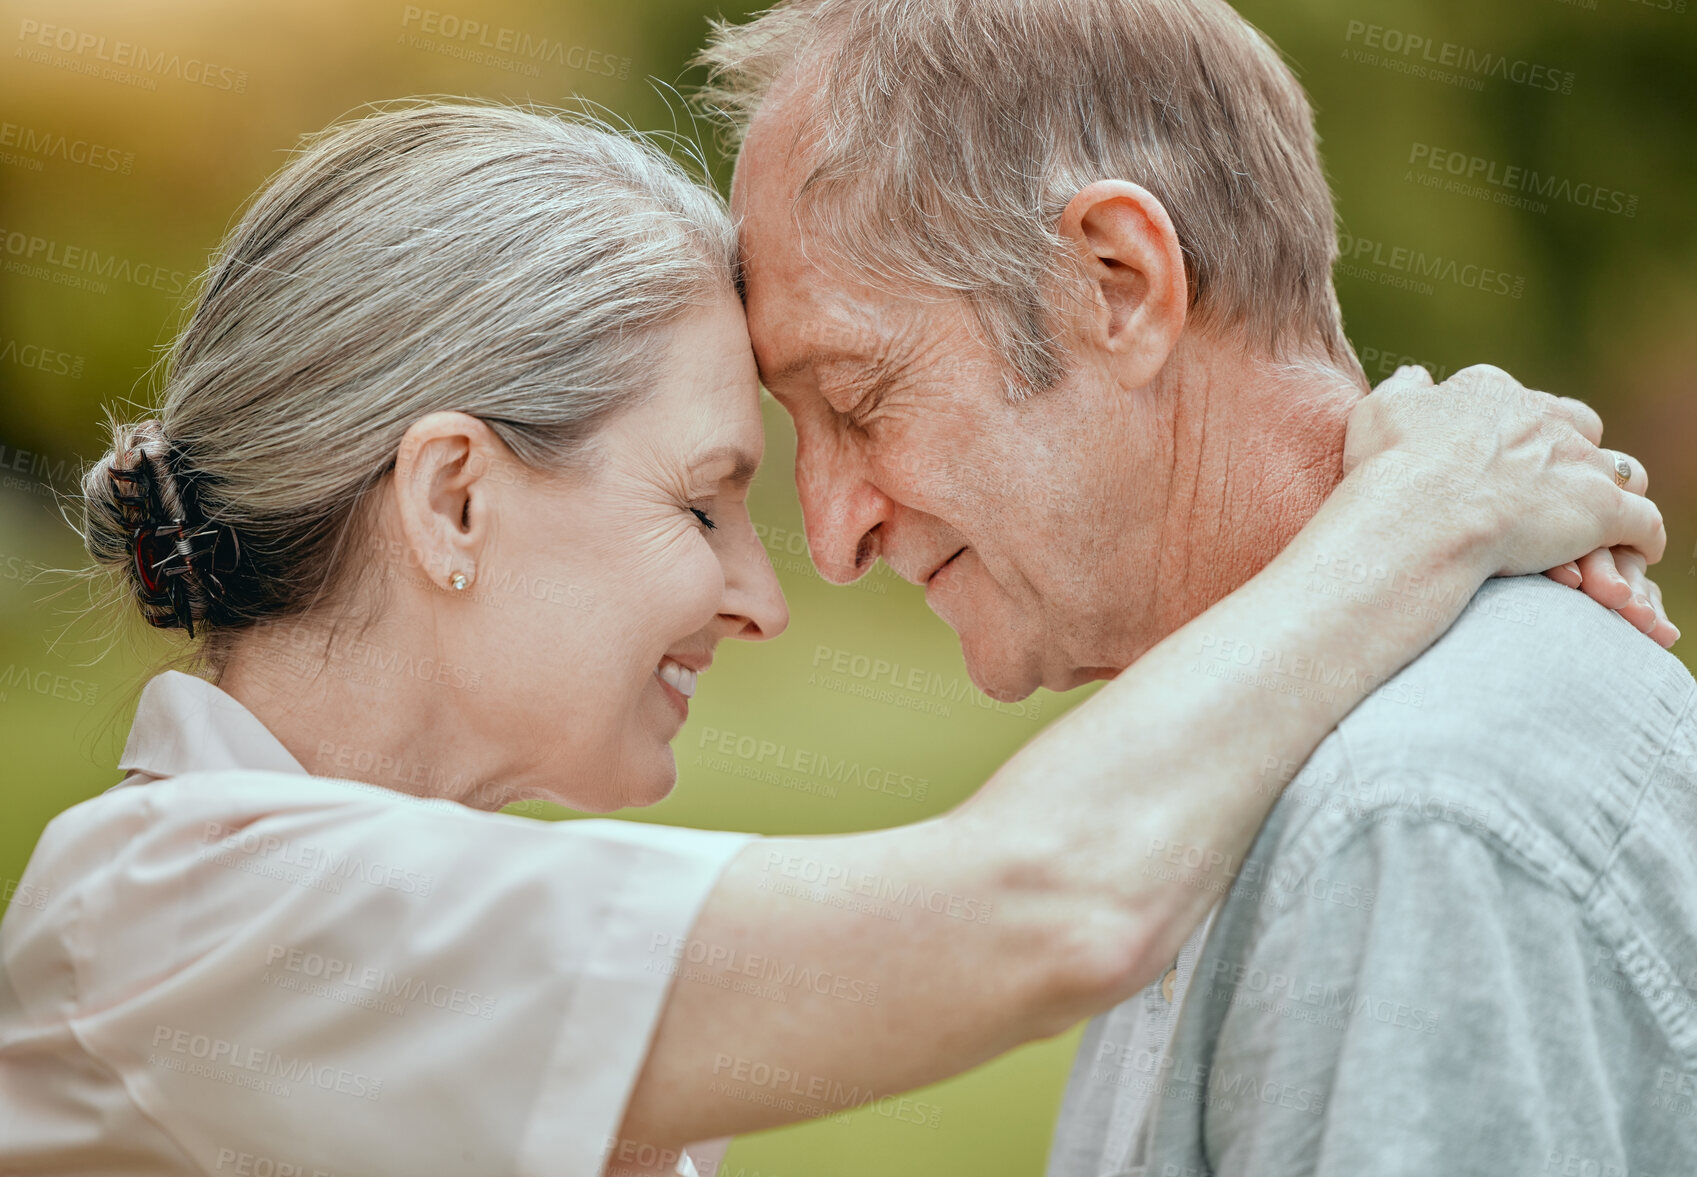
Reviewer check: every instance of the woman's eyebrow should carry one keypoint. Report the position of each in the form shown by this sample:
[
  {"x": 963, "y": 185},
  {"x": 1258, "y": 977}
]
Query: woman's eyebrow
[{"x": 744, "y": 464}]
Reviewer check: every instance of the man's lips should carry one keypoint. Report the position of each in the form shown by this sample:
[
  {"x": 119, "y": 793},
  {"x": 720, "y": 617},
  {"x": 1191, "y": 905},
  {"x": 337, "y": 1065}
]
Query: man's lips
[{"x": 933, "y": 573}]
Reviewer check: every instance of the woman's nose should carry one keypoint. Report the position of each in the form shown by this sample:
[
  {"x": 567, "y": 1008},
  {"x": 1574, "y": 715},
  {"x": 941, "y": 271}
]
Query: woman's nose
[{"x": 753, "y": 595}]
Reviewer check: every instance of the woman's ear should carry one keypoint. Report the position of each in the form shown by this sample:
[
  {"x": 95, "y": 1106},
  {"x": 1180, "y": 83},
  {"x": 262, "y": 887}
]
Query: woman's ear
[
  {"x": 1134, "y": 266},
  {"x": 445, "y": 470}
]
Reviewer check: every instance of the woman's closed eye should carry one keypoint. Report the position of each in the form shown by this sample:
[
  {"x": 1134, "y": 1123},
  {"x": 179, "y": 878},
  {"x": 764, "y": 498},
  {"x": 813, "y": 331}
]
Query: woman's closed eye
[{"x": 706, "y": 520}]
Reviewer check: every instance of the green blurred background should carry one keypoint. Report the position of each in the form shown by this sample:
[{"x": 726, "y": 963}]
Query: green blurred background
[{"x": 1604, "y": 312}]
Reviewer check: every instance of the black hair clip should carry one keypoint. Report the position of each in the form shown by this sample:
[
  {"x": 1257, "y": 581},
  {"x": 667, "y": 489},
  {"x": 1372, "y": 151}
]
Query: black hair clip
[{"x": 162, "y": 552}]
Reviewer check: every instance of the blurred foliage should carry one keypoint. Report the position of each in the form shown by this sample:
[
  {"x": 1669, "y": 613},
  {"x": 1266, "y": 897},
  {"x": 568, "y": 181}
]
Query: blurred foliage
[{"x": 1604, "y": 312}]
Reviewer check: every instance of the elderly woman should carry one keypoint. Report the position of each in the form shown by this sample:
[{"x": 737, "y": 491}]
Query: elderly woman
[{"x": 451, "y": 351}]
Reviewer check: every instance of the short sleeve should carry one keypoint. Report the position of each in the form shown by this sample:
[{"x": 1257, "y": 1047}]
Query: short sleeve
[
  {"x": 340, "y": 980},
  {"x": 1421, "y": 1007}
]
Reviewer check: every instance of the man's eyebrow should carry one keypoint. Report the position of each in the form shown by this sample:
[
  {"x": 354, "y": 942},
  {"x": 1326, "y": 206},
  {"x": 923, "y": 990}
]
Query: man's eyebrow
[
  {"x": 812, "y": 359},
  {"x": 794, "y": 368},
  {"x": 744, "y": 464}
]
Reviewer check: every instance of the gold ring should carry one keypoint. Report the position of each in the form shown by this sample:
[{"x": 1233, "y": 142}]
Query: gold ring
[{"x": 1623, "y": 469}]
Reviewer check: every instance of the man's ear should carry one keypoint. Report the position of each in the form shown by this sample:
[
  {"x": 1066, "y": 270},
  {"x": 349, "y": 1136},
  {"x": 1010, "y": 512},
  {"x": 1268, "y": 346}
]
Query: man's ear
[
  {"x": 446, "y": 468},
  {"x": 1134, "y": 268}
]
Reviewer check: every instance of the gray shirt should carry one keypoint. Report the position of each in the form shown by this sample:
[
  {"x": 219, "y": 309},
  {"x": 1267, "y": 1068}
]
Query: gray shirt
[{"x": 1465, "y": 940}]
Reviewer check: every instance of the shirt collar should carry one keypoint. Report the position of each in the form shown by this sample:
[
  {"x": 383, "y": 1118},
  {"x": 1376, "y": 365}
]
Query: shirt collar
[{"x": 185, "y": 724}]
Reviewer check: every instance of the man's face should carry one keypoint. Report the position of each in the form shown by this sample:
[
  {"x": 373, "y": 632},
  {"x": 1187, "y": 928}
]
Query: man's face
[{"x": 1035, "y": 527}]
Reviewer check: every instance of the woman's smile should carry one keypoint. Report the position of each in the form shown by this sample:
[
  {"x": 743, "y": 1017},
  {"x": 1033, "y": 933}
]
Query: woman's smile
[{"x": 677, "y": 682}]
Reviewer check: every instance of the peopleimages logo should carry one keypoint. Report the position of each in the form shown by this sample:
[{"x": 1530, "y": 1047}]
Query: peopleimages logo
[
  {"x": 221, "y": 1058},
  {"x": 335, "y": 972},
  {"x": 92, "y": 53},
  {"x": 919, "y": 688},
  {"x": 1510, "y": 184},
  {"x": 50, "y": 256},
  {"x": 46, "y": 682},
  {"x": 749, "y": 1076},
  {"x": 464, "y": 37},
  {"x": 764, "y": 968},
  {"x": 45, "y": 144},
  {"x": 315, "y": 861},
  {"x": 42, "y": 359},
  {"x": 251, "y": 1164},
  {"x": 1400, "y": 265},
  {"x": 1446, "y": 61},
  {"x": 761, "y": 753},
  {"x": 829, "y": 876}
]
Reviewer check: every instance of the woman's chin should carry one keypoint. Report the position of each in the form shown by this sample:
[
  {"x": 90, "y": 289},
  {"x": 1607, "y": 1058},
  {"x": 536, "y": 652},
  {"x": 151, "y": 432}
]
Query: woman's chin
[
  {"x": 654, "y": 781},
  {"x": 648, "y": 781}
]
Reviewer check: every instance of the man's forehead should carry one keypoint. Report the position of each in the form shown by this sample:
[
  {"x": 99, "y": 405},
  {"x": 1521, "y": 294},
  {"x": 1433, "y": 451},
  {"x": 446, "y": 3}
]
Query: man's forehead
[
  {"x": 805, "y": 309},
  {"x": 795, "y": 306},
  {"x": 763, "y": 199},
  {"x": 776, "y": 151}
]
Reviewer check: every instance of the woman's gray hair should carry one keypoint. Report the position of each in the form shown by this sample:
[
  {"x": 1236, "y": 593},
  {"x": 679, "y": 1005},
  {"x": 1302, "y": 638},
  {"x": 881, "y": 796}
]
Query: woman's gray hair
[{"x": 513, "y": 264}]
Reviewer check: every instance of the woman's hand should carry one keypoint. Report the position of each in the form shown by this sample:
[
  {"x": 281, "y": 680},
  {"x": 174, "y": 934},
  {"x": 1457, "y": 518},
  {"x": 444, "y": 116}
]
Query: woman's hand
[
  {"x": 1522, "y": 474},
  {"x": 1618, "y": 579}
]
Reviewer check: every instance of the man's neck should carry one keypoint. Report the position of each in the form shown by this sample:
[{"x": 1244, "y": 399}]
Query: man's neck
[{"x": 1257, "y": 447}]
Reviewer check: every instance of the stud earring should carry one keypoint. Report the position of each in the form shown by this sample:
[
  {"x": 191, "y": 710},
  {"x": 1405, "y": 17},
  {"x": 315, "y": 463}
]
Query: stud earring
[{"x": 458, "y": 580}]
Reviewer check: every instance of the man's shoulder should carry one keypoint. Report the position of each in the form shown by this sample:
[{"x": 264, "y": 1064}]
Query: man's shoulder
[
  {"x": 1530, "y": 666},
  {"x": 1538, "y": 719},
  {"x": 1489, "y": 869}
]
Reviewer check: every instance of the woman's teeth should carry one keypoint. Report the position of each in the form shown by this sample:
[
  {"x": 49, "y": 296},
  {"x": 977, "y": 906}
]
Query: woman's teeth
[{"x": 679, "y": 676}]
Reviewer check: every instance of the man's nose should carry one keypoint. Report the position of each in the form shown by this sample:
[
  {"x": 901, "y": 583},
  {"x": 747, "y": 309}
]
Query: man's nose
[{"x": 840, "y": 506}]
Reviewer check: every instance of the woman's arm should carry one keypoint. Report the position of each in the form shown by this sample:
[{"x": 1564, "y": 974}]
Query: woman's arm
[{"x": 1050, "y": 894}]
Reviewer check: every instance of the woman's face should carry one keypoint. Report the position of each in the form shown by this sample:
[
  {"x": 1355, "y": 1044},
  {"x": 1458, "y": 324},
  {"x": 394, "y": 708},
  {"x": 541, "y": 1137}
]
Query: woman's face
[{"x": 608, "y": 589}]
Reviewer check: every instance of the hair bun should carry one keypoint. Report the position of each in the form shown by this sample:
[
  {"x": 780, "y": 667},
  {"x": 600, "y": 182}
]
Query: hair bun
[{"x": 141, "y": 514}]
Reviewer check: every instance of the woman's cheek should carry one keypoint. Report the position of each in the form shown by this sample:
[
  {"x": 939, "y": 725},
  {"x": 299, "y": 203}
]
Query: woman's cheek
[
  {"x": 673, "y": 584},
  {"x": 699, "y": 590}
]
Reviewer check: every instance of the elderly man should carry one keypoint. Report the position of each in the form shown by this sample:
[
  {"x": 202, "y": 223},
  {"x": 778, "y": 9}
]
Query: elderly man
[{"x": 1045, "y": 285}]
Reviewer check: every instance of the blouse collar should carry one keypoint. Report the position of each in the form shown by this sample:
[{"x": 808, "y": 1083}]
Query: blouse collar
[{"x": 186, "y": 724}]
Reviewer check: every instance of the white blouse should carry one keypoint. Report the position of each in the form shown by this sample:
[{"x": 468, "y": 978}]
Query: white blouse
[{"x": 225, "y": 965}]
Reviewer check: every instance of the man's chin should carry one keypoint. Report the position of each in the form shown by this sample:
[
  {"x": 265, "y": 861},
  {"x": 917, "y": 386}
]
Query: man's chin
[
  {"x": 1003, "y": 675},
  {"x": 1003, "y": 690},
  {"x": 1008, "y": 675}
]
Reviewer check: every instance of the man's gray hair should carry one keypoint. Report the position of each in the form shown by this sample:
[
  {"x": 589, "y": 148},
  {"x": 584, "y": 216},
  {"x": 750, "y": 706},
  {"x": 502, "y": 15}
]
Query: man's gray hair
[{"x": 949, "y": 135}]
